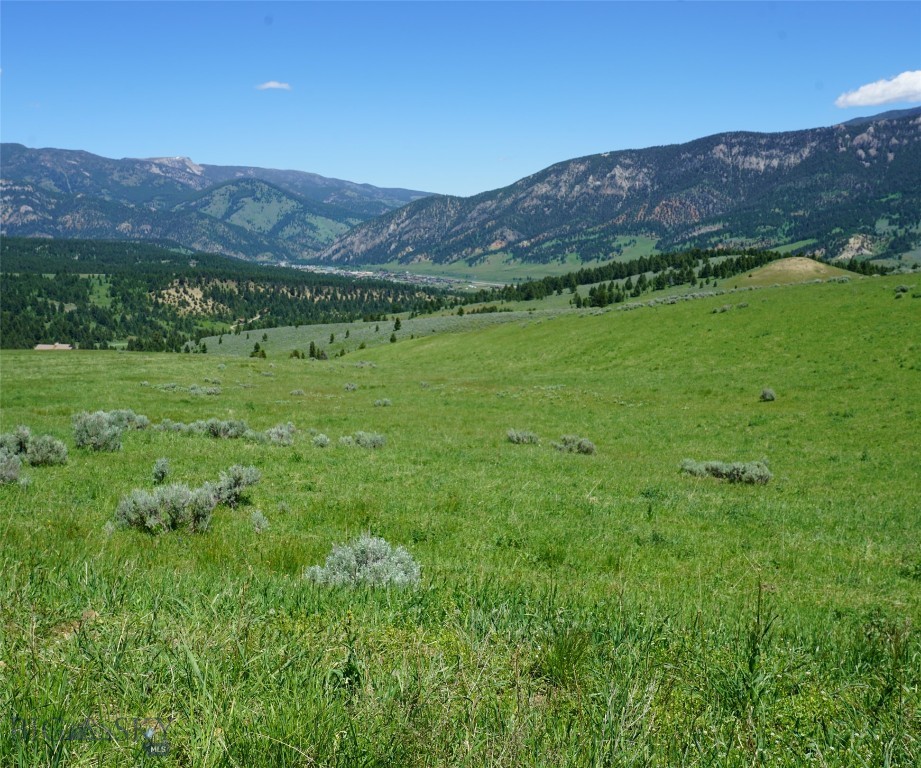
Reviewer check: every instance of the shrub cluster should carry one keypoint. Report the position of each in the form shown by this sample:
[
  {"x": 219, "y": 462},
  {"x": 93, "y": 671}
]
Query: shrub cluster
[
  {"x": 16, "y": 442},
  {"x": 170, "y": 507},
  {"x": 369, "y": 440},
  {"x": 231, "y": 429},
  {"x": 37, "y": 450},
  {"x": 232, "y": 483},
  {"x": 384, "y": 402},
  {"x": 197, "y": 390},
  {"x": 102, "y": 430},
  {"x": 366, "y": 561},
  {"x": 752, "y": 472},
  {"x": 522, "y": 437},
  {"x": 281, "y": 434},
  {"x": 10, "y": 467},
  {"x": 97, "y": 432},
  {"x": 125, "y": 418},
  {"x": 575, "y": 444},
  {"x": 167, "y": 508},
  {"x": 46, "y": 450}
]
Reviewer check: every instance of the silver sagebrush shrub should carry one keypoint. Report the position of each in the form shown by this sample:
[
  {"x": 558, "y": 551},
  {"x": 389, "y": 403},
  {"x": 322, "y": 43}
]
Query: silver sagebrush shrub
[
  {"x": 97, "y": 431},
  {"x": 321, "y": 441},
  {"x": 37, "y": 450},
  {"x": 10, "y": 466},
  {"x": 226, "y": 430},
  {"x": 369, "y": 439},
  {"x": 259, "y": 522},
  {"x": 167, "y": 508},
  {"x": 751, "y": 473},
  {"x": 125, "y": 418},
  {"x": 17, "y": 441},
  {"x": 160, "y": 470},
  {"x": 767, "y": 395},
  {"x": 46, "y": 450},
  {"x": 281, "y": 434},
  {"x": 522, "y": 437},
  {"x": 367, "y": 560},
  {"x": 575, "y": 444},
  {"x": 232, "y": 483}
]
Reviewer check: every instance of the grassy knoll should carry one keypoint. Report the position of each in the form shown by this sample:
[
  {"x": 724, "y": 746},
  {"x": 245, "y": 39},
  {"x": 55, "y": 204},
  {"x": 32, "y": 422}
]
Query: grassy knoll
[
  {"x": 574, "y": 609},
  {"x": 796, "y": 269}
]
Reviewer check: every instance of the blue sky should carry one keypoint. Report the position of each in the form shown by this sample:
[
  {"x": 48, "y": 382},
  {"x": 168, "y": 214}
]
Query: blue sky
[{"x": 450, "y": 97}]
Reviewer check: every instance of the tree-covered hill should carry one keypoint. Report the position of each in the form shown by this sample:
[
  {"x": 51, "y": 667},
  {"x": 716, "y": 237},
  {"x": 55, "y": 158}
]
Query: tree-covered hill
[{"x": 99, "y": 293}]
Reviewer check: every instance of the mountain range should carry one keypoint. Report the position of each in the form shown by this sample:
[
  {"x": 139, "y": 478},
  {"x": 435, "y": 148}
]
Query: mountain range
[
  {"x": 250, "y": 213},
  {"x": 842, "y": 191},
  {"x": 854, "y": 186}
]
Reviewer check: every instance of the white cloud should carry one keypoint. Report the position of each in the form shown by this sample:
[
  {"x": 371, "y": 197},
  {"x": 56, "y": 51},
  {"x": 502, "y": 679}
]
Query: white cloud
[
  {"x": 904, "y": 87},
  {"x": 274, "y": 85}
]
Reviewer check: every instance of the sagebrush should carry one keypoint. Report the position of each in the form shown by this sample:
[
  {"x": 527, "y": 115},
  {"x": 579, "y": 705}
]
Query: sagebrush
[
  {"x": 751, "y": 472},
  {"x": 366, "y": 561}
]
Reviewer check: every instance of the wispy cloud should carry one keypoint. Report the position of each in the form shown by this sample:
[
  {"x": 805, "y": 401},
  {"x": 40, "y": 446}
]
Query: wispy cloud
[
  {"x": 274, "y": 85},
  {"x": 904, "y": 87}
]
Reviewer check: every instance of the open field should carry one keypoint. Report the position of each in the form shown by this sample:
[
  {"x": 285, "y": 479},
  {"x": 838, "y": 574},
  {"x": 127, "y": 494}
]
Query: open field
[
  {"x": 500, "y": 268},
  {"x": 577, "y": 610}
]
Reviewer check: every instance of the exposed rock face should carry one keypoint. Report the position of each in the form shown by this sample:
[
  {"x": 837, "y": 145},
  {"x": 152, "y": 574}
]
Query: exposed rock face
[{"x": 764, "y": 189}]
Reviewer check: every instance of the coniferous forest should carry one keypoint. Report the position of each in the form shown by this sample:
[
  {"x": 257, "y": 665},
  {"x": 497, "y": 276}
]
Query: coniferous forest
[{"x": 94, "y": 294}]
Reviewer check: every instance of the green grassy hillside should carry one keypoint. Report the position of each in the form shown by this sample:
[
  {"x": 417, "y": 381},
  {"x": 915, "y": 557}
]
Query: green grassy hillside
[{"x": 600, "y": 609}]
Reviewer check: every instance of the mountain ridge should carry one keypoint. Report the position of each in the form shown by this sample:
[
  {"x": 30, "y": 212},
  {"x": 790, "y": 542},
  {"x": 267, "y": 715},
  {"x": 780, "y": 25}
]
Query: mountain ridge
[
  {"x": 835, "y": 191},
  {"x": 73, "y": 193},
  {"x": 762, "y": 189}
]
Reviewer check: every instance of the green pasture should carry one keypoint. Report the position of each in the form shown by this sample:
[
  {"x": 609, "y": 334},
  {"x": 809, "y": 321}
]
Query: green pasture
[
  {"x": 577, "y": 610},
  {"x": 501, "y": 268}
]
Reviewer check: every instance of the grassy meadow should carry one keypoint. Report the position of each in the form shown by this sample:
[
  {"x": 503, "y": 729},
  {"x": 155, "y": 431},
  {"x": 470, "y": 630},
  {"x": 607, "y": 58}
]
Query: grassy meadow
[
  {"x": 500, "y": 267},
  {"x": 578, "y": 610}
]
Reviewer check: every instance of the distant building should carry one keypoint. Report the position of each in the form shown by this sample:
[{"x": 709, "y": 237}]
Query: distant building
[{"x": 54, "y": 346}]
